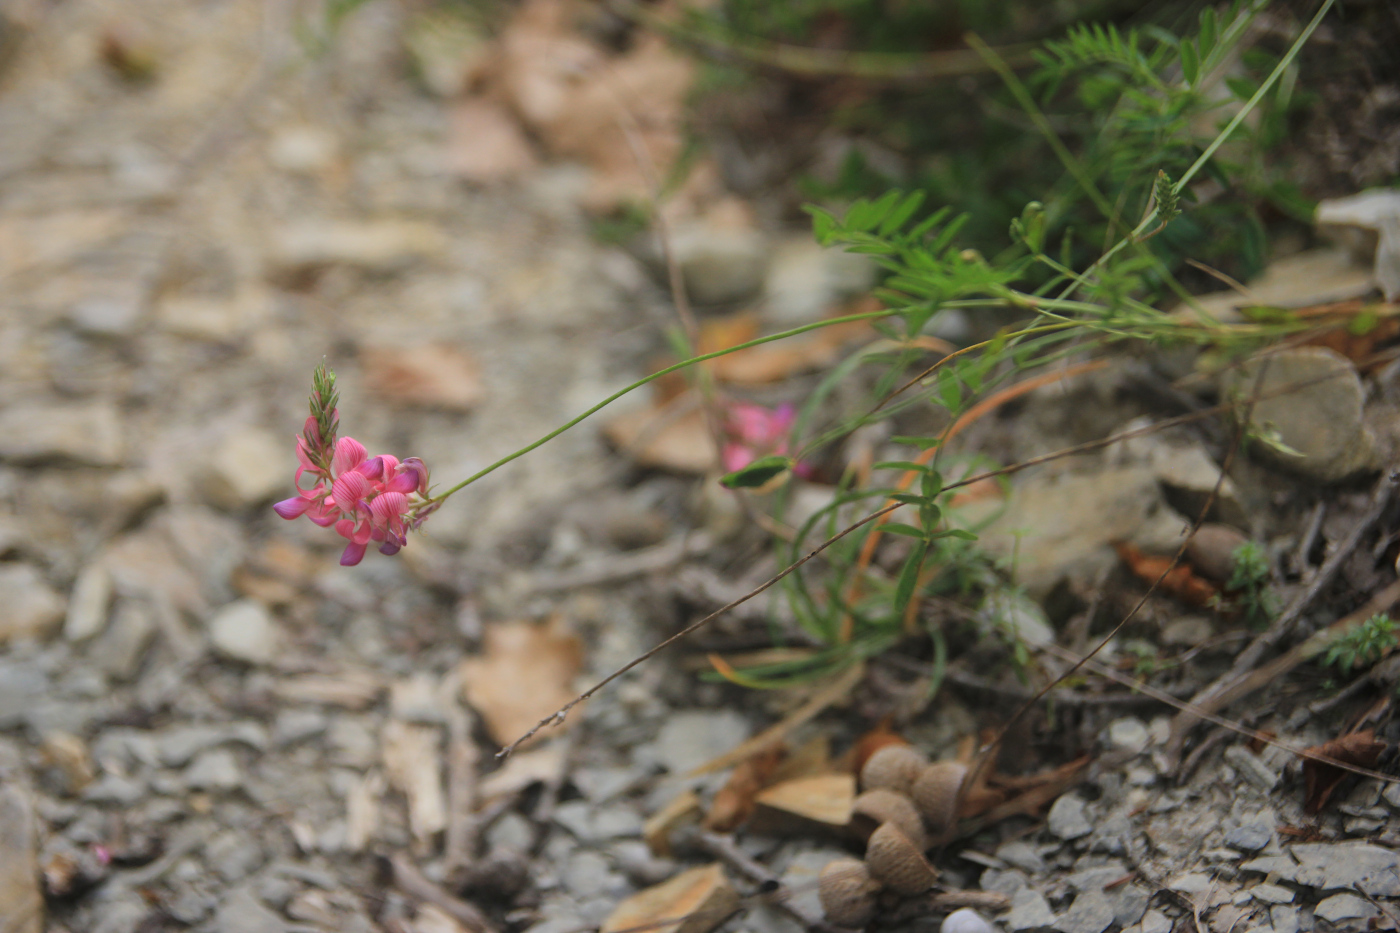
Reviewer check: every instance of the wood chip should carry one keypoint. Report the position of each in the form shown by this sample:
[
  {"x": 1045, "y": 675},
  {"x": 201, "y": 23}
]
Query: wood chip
[
  {"x": 353, "y": 690},
  {"x": 821, "y": 798},
  {"x": 694, "y": 901},
  {"x": 413, "y": 762},
  {"x": 362, "y": 811}
]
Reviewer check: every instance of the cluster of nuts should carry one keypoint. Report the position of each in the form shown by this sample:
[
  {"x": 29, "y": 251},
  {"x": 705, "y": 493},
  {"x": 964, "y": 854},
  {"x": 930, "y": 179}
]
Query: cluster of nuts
[{"x": 906, "y": 804}]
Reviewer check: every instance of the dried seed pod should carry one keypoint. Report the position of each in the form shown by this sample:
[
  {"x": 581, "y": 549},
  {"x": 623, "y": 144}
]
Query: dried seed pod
[
  {"x": 883, "y": 805},
  {"x": 895, "y": 767},
  {"x": 897, "y": 862},
  {"x": 847, "y": 892},
  {"x": 935, "y": 793}
]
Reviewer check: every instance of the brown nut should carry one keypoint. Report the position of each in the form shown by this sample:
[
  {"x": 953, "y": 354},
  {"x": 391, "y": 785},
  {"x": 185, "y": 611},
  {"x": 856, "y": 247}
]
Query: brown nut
[
  {"x": 896, "y": 861},
  {"x": 895, "y": 767},
  {"x": 883, "y": 805},
  {"x": 847, "y": 892},
  {"x": 935, "y": 793}
]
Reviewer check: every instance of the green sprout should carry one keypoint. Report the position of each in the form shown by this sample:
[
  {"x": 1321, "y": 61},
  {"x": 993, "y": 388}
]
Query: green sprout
[
  {"x": 1248, "y": 583},
  {"x": 1363, "y": 645}
]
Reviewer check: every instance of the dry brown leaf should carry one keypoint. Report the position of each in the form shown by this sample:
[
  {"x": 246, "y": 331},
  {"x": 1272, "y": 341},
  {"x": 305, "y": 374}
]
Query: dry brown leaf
[
  {"x": 1320, "y": 779},
  {"x": 431, "y": 375},
  {"x": 694, "y": 901},
  {"x": 673, "y": 436},
  {"x": 524, "y": 674},
  {"x": 413, "y": 763},
  {"x": 735, "y": 800},
  {"x": 1363, "y": 328},
  {"x": 822, "y": 798},
  {"x": 811, "y": 757},
  {"x": 1180, "y": 581},
  {"x": 539, "y": 765},
  {"x": 486, "y": 143}
]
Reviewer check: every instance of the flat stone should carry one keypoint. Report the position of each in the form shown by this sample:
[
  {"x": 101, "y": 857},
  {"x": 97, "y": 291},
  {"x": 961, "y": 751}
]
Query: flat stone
[
  {"x": 1022, "y": 855},
  {"x": 1313, "y": 398},
  {"x": 805, "y": 280},
  {"x": 1091, "y": 912},
  {"x": 1128, "y": 734},
  {"x": 89, "y": 604},
  {"x": 178, "y": 744},
  {"x": 120, "y": 649},
  {"x": 1029, "y": 912},
  {"x": 109, "y": 315},
  {"x": 1271, "y": 893},
  {"x": 1067, "y": 819},
  {"x": 1009, "y": 613},
  {"x": 21, "y": 685},
  {"x": 965, "y": 920},
  {"x": 88, "y": 434},
  {"x": 1129, "y": 904},
  {"x": 242, "y": 912},
  {"x": 233, "y": 856},
  {"x": 1348, "y": 865},
  {"x": 1195, "y": 882},
  {"x": 1250, "y": 837},
  {"x": 690, "y": 738},
  {"x": 247, "y": 467},
  {"x": 215, "y": 769},
  {"x": 1284, "y": 919},
  {"x": 32, "y": 608},
  {"x": 1251, "y": 768},
  {"x": 1154, "y": 921},
  {"x": 115, "y": 789},
  {"x": 1345, "y": 907},
  {"x": 21, "y": 901},
  {"x": 245, "y": 631},
  {"x": 720, "y": 261},
  {"x": 378, "y": 246},
  {"x": 297, "y": 725}
]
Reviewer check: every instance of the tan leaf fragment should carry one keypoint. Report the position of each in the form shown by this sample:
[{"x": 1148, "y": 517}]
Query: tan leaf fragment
[
  {"x": 667, "y": 437},
  {"x": 362, "y": 811},
  {"x": 683, "y": 810},
  {"x": 524, "y": 674},
  {"x": 695, "y": 901},
  {"x": 538, "y": 765},
  {"x": 413, "y": 763},
  {"x": 351, "y": 689},
  {"x": 432, "y": 376},
  {"x": 486, "y": 144},
  {"x": 820, "y": 798}
]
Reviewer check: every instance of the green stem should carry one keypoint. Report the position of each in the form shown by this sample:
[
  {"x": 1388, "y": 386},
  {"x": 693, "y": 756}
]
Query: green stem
[{"x": 867, "y": 316}]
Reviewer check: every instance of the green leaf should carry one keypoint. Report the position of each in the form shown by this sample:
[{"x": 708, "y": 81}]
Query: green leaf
[
  {"x": 757, "y": 473},
  {"x": 923, "y": 443},
  {"x": 899, "y": 528},
  {"x": 909, "y": 578},
  {"x": 901, "y": 213},
  {"x": 949, "y": 390},
  {"x": 956, "y": 533},
  {"x": 908, "y": 499},
  {"x": 902, "y": 465},
  {"x": 1210, "y": 30}
]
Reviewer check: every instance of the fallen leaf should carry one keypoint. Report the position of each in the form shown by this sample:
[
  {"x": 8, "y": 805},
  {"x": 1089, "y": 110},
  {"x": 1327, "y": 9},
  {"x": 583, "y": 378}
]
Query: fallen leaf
[
  {"x": 683, "y": 810},
  {"x": 1180, "y": 581},
  {"x": 486, "y": 143},
  {"x": 413, "y": 763},
  {"x": 536, "y": 766},
  {"x": 524, "y": 674},
  {"x": 823, "y": 798},
  {"x": 1320, "y": 779},
  {"x": 734, "y": 801},
  {"x": 671, "y": 436},
  {"x": 432, "y": 376},
  {"x": 1360, "y": 330},
  {"x": 695, "y": 901}
]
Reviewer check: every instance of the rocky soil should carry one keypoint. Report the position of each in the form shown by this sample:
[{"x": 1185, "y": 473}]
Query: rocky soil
[{"x": 207, "y": 724}]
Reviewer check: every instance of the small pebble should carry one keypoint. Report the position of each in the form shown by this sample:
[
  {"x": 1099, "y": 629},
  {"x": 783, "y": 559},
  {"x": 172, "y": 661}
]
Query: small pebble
[
  {"x": 1251, "y": 768},
  {"x": 1128, "y": 735},
  {"x": 966, "y": 920},
  {"x": 1251, "y": 837},
  {"x": 1345, "y": 907},
  {"x": 1067, "y": 819}
]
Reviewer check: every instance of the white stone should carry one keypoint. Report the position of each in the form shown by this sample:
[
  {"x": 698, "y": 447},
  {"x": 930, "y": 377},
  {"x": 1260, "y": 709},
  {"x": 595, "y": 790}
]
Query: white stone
[
  {"x": 1011, "y": 614},
  {"x": 1128, "y": 734},
  {"x": 29, "y": 607},
  {"x": 247, "y": 467},
  {"x": 1344, "y": 907},
  {"x": 379, "y": 246},
  {"x": 720, "y": 261},
  {"x": 966, "y": 920},
  {"x": 1067, "y": 819},
  {"x": 89, "y": 604},
  {"x": 244, "y": 631},
  {"x": 215, "y": 769},
  {"x": 303, "y": 150},
  {"x": 805, "y": 280}
]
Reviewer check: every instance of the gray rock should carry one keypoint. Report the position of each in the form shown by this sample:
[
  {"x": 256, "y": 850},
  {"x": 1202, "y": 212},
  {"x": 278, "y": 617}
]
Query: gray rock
[
  {"x": 32, "y": 608},
  {"x": 1251, "y": 768},
  {"x": 1091, "y": 912},
  {"x": 1346, "y": 865},
  {"x": 588, "y": 874},
  {"x": 1250, "y": 837},
  {"x": 123, "y": 913},
  {"x": 109, "y": 316},
  {"x": 215, "y": 769},
  {"x": 1129, "y": 904},
  {"x": 1029, "y": 912},
  {"x": 1022, "y": 855},
  {"x": 241, "y": 912},
  {"x": 1154, "y": 921},
  {"x": 178, "y": 744},
  {"x": 89, "y": 434},
  {"x": 120, "y": 649},
  {"x": 1271, "y": 893},
  {"x": 247, "y": 467},
  {"x": 1195, "y": 882},
  {"x": 1313, "y": 398},
  {"x": 21, "y": 901},
  {"x": 720, "y": 262},
  {"x": 115, "y": 789},
  {"x": 1128, "y": 734},
  {"x": 965, "y": 921},
  {"x": 1187, "y": 632},
  {"x": 592, "y": 824},
  {"x": 245, "y": 631},
  {"x": 1284, "y": 919},
  {"x": 805, "y": 280},
  {"x": 297, "y": 725},
  {"x": 21, "y": 685},
  {"x": 88, "y": 604},
  {"x": 352, "y": 743},
  {"x": 692, "y": 737},
  {"x": 1009, "y": 613},
  {"x": 378, "y": 246},
  {"x": 1006, "y": 882},
  {"x": 1345, "y": 907},
  {"x": 233, "y": 855},
  {"x": 1067, "y": 819}
]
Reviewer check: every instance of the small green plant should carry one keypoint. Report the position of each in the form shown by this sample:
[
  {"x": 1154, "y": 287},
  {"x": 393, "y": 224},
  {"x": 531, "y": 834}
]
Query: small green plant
[
  {"x": 1363, "y": 645},
  {"x": 1249, "y": 583}
]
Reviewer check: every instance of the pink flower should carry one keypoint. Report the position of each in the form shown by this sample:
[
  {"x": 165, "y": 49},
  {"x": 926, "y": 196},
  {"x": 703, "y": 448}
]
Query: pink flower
[{"x": 753, "y": 431}]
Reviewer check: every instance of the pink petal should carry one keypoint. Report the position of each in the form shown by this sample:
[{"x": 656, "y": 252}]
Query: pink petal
[
  {"x": 349, "y": 489},
  {"x": 390, "y": 548},
  {"x": 293, "y": 507},
  {"x": 736, "y": 456},
  {"x": 349, "y": 453},
  {"x": 345, "y": 528},
  {"x": 352, "y": 555},
  {"x": 387, "y": 506}
]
